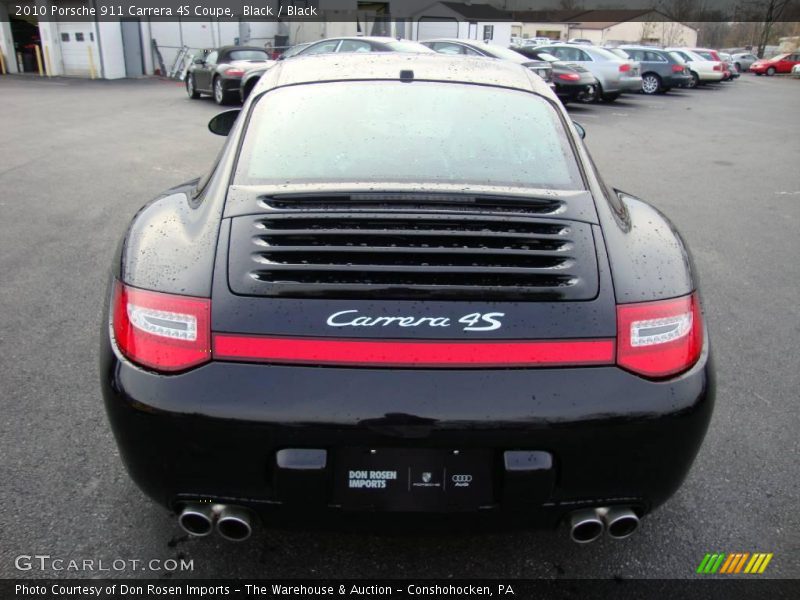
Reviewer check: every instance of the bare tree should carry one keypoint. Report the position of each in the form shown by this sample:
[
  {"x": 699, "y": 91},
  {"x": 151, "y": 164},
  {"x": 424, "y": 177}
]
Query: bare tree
[{"x": 767, "y": 13}]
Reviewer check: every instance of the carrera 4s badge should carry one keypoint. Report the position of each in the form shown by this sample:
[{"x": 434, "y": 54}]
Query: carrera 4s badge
[{"x": 472, "y": 321}]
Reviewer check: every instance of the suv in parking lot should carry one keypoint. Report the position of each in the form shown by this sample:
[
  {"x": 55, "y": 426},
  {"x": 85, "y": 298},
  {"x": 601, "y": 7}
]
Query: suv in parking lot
[{"x": 661, "y": 71}]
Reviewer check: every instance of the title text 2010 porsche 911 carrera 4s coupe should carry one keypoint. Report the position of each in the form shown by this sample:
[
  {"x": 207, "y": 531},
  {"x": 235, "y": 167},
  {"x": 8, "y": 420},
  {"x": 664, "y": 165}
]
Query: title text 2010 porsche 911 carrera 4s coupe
[{"x": 404, "y": 289}]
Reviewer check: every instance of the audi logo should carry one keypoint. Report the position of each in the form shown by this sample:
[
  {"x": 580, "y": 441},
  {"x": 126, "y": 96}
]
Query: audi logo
[{"x": 462, "y": 478}]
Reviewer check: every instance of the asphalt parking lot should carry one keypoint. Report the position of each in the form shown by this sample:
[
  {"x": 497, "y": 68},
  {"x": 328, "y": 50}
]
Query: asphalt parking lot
[{"x": 78, "y": 158}]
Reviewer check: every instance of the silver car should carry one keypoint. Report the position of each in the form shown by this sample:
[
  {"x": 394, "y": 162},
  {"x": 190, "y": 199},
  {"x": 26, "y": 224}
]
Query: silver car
[
  {"x": 615, "y": 75},
  {"x": 743, "y": 60}
]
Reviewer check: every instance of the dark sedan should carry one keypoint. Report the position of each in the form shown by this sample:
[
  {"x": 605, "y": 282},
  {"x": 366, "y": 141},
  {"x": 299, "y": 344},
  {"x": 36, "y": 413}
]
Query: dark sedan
[
  {"x": 661, "y": 70},
  {"x": 220, "y": 71},
  {"x": 571, "y": 80},
  {"x": 426, "y": 302}
]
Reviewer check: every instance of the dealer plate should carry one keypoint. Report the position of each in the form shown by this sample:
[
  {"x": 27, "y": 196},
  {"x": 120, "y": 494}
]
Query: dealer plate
[{"x": 411, "y": 479}]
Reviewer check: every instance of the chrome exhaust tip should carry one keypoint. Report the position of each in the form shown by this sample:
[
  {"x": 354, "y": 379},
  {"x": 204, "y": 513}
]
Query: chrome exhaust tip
[
  {"x": 234, "y": 523},
  {"x": 585, "y": 526},
  {"x": 620, "y": 521},
  {"x": 197, "y": 519}
]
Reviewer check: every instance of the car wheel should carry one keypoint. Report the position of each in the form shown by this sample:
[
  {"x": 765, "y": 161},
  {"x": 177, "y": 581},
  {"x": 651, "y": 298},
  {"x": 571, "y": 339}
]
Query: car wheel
[
  {"x": 651, "y": 83},
  {"x": 220, "y": 96},
  {"x": 591, "y": 95},
  {"x": 771, "y": 71},
  {"x": 695, "y": 81},
  {"x": 190, "y": 88}
]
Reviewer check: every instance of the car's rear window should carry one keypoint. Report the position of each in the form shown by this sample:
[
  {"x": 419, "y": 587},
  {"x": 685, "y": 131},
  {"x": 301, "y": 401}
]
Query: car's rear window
[
  {"x": 248, "y": 55},
  {"x": 406, "y": 132}
]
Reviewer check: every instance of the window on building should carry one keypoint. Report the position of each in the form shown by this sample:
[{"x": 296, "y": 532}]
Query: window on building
[
  {"x": 78, "y": 36},
  {"x": 488, "y": 32},
  {"x": 64, "y": 37}
]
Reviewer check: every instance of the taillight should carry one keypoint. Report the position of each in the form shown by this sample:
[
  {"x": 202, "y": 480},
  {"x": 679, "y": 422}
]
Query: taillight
[
  {"x": 659, "y": 339},
  {"x": 718, "y": 67},
  {"x": 677, "y": 68},
  {"x": 569, "y": 76},
  {"x": 234, "y": 72},
  {"x": 624, "y": 68},
  {"x": 165, "y": 332}
]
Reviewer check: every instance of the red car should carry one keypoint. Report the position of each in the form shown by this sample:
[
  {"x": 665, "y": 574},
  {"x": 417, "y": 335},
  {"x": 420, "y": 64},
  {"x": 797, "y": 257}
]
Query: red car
[{"x": 782, "y": 63}]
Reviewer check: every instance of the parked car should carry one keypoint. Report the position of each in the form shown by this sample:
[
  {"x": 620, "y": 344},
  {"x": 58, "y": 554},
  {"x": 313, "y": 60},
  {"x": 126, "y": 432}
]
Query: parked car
[
  {"x": 404, "y": 288},
  {"x": 796, "y": 70},
  {"x": 661, "y": 71},
  {"x": 743, "y": 60},
  {"x": 572, "y": 81},
  {"x": 701, "y": 69},
  {"x": 614, "y": 74},
  {"x": 461, "y": 47},
  {"x": 782, "y": 63},
  {"x": 581, "y": 41},
  {"x": 359, "y": 44},
  {"x": 533, "y": 42},
  {"x": 731, "y": 73},
  {"x": 220, "y": 71},
  {"x": 713, "y": 55},
  {"x": 337, "y": 45}
]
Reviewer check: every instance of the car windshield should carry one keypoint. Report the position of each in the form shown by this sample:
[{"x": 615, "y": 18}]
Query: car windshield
[
  {"x": 294, "y": 50},
  {"x": 706, "y": 55},
  {"x": 398, "y": 132},
  {"x": 248, "y": 55},
  {"x": 619, "y": 52},
  {"x": 678, "y": 58},
  {"x": 546, "y": 56},
  {"x": 605, "y": 54},
  {"x": 779, "y": 57},
  {"x": 403, "y": 46},
  {"x": 505, "y": 53}
]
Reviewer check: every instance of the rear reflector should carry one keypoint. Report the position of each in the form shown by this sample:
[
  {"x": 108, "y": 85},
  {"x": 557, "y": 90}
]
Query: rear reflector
[
  {"x": 234, "y": 72},
  {"x": 677, "y": 68},
  {"x": 397, "y": 353},
  {"x": 162, "y": 331},
  {"x": 569, "y": 76},
  {"x": 659, "y": 339},
  {"x": 624, "y": 68}
]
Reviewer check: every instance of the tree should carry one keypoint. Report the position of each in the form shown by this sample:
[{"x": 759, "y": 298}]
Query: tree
[{"x": 767, "y": 13}]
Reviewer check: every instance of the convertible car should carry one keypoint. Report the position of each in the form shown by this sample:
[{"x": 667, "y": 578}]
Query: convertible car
[{"x": 427, "y": 304}]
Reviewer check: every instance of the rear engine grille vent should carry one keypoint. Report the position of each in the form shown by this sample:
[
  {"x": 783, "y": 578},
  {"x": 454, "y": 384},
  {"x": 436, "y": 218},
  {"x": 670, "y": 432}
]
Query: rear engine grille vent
[{"x": 341, "y": 247}]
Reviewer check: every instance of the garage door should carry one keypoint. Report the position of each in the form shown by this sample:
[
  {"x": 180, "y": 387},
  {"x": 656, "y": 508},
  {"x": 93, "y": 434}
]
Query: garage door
[
  {"x": 76, "y": 38},
  {"x": 429, "y": 28}
]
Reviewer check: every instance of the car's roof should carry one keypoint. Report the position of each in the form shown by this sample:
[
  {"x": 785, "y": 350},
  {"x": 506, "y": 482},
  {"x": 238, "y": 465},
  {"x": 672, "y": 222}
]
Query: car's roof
[
  {"x": 437, "y": 67},
  {"x": 366, "y": 38},
  {"x": 222, "y": 49}
]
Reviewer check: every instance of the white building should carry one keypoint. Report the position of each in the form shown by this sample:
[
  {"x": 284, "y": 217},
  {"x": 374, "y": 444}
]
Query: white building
[{"x": 603, "y": 27}]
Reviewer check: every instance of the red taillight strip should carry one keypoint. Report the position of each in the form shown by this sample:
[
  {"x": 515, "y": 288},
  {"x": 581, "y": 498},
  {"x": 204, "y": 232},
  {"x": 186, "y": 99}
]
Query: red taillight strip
[{"x": 399, "y": 353}]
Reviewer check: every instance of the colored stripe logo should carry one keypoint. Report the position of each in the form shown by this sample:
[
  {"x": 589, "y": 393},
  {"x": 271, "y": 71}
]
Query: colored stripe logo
[{"x": 736, "y": 562}]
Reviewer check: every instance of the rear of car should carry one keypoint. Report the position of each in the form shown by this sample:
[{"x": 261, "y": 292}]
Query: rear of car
[
  {"x": 615, "y": 74},
  {"x": 661, "y": 71},
  {"x": 571, "y": 81},
  {"x": 700, "y": 67},
  {"x": 410, "y": 309}
]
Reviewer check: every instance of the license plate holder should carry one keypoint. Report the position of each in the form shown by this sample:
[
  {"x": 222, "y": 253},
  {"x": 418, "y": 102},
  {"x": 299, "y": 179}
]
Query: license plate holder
[{"x": 413, "y": 479}]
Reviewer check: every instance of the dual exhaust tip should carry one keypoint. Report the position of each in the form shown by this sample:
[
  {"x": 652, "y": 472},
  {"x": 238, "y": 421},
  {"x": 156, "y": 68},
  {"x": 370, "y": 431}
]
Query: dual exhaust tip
[
  {"x": 233, "y": 523},
  {"x": 588, "y": 524}
]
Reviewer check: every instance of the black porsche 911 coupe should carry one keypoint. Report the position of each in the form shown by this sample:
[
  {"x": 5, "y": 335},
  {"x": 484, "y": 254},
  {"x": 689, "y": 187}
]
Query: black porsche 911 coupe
[
  {"x": 427, "y": 303},
  {"x": 219, "y": 72}
]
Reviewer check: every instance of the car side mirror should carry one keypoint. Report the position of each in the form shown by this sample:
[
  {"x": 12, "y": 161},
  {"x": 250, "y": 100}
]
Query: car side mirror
[
  {"x": 222, "y": 123},
  {"x": 579, "y": 128}
]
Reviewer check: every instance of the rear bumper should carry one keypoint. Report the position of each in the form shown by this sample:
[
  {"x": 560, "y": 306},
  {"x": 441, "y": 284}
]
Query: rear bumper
[
  {"x": 677, "y": 80},
  {"x": 212, "y": 434},
  {"x": 710, "y": 75}
]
